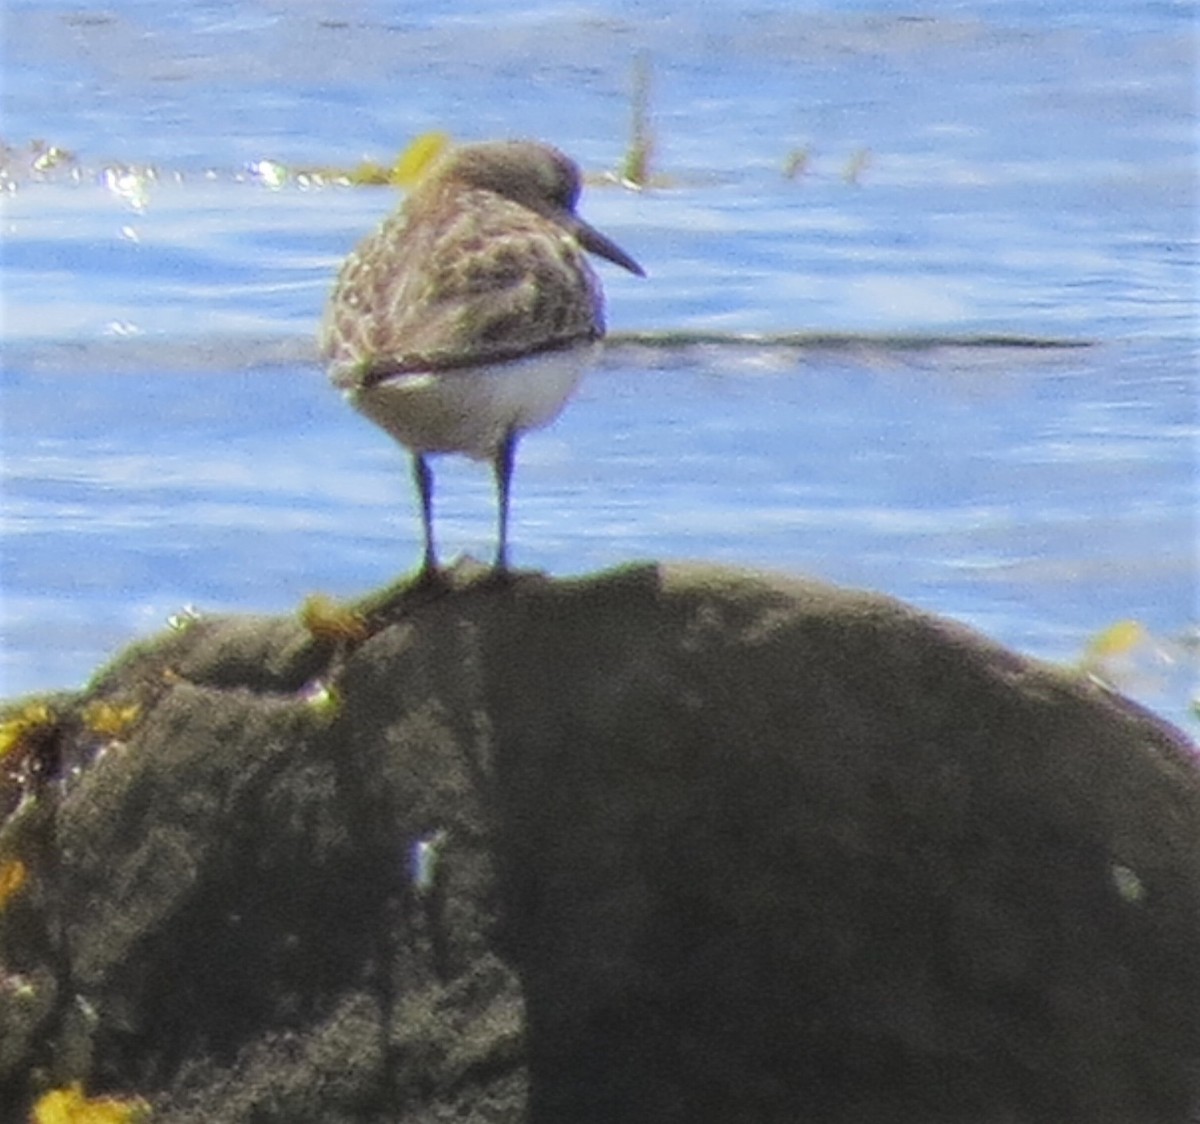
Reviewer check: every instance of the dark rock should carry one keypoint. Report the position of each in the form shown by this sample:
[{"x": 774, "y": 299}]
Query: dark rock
[{"x": 666, "y": 845}]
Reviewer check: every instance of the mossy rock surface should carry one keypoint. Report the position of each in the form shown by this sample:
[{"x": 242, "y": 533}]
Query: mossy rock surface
[{"x": 667, "y": 844}]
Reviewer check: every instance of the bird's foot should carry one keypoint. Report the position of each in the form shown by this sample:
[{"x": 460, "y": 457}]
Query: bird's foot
[
  {"x": 499, "y": 577},
  {"x": 430, "y": 578}
]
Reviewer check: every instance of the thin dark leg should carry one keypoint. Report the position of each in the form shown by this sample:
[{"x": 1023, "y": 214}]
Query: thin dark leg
[
  {"x": 502, "y": 468},
  {"x": 423, "y": 478}
]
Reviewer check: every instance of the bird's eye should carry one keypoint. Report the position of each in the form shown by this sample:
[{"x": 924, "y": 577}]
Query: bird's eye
[{"x": 566, "y": 190}]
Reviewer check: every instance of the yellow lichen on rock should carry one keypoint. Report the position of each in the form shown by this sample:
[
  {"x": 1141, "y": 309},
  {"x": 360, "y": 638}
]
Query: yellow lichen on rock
[
  {"x": 33, "y": 718},
  {"x": 13, "y": 876},
  {"x": 70, "y": 1106},
  {"x": 110, "y": 720},
  {"x": 325, "y": 619}
]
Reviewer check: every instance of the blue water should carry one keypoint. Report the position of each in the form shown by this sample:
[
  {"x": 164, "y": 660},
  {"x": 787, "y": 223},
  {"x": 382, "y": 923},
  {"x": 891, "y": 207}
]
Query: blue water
[{"x": 970, "y": 169}]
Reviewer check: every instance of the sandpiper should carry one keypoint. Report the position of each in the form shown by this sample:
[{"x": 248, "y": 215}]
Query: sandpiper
[{"x": 471, "y": 314}]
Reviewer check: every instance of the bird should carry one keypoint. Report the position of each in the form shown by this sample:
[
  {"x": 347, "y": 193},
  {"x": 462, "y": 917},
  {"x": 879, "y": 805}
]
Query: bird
[{"x": 470, "y": 315}]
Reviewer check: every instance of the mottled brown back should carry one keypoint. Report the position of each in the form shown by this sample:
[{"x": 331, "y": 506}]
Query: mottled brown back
[{"x": 458, "y": 276}]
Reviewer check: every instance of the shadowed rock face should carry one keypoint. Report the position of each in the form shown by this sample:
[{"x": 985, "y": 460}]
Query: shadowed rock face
[{"x": 665, "y": 845}]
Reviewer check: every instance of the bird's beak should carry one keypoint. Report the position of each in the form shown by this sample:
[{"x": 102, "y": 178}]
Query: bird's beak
[{"x": 596, "y": 243}]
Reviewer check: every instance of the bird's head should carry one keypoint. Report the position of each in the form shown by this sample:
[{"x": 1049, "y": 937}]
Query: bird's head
[{"x": 536, "y": 176}]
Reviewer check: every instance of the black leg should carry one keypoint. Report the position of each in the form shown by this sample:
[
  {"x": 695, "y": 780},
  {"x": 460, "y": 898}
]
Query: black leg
[
  {"x": 423, "y": 478},
  {"x": 502, "y": 468}
]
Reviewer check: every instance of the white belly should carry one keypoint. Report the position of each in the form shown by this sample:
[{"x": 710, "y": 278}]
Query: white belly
[{"x": 472, "y": 410}]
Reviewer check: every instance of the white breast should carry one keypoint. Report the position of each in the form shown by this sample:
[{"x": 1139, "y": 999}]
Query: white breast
[{"x": 470, "y": 410}]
